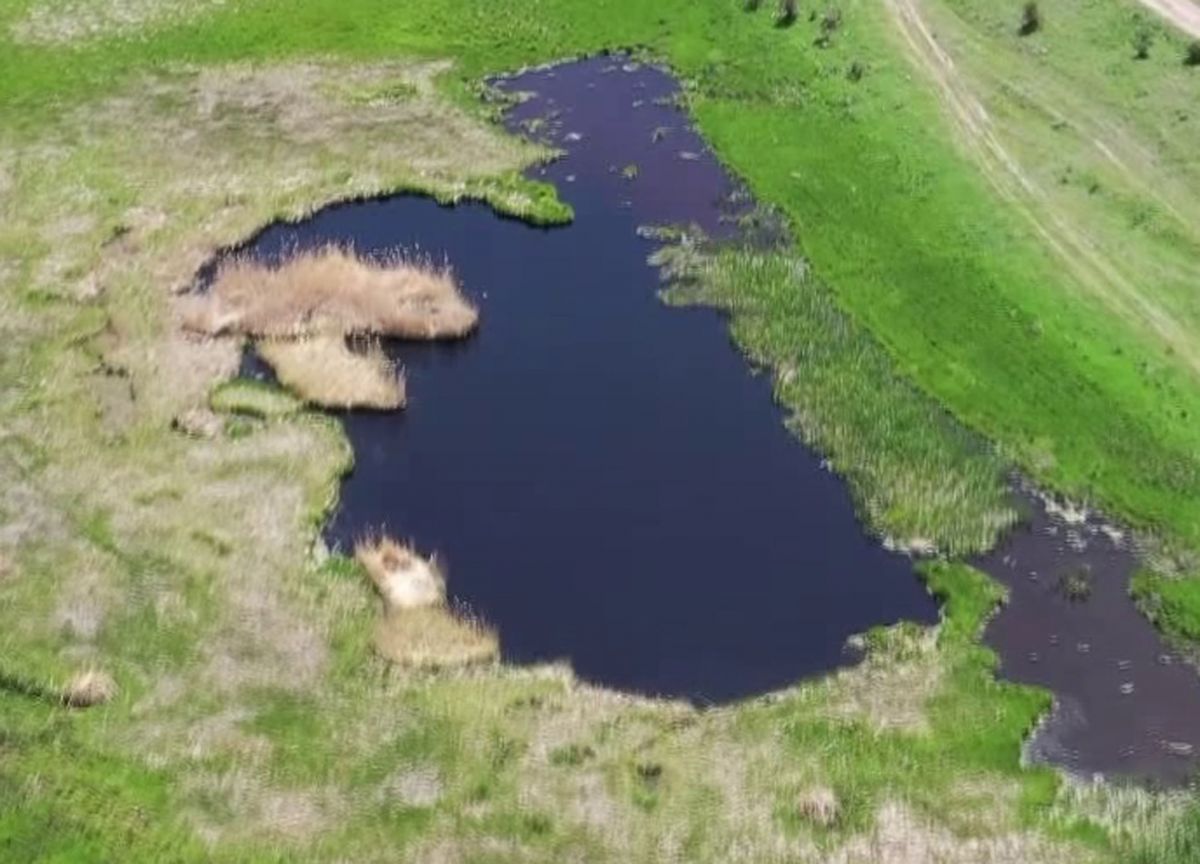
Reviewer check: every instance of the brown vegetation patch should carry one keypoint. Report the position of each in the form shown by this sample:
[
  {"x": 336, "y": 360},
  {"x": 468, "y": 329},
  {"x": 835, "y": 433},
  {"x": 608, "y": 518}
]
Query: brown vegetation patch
[
  {"x": 819, "y": 805},
  {"x": 404, "y": 579},
  {"x": 332, "y": 290},
  {"x": 89, "y": 688},
  {"x": 418, "y": 629},
  {"x": 325, "y": 371},
  {"x": 435, "y": 637}
]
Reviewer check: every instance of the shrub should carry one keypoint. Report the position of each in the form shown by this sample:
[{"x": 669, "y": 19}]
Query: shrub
[
  {"x": 1031, "y": 19},
  {"x": 1142, "y": 40},
  {"x": 1191, "y": 57},
  {"x": 751, "y": 5},
  {"x": 830, "y": 22},
  {"x": 788, "y": 10}
]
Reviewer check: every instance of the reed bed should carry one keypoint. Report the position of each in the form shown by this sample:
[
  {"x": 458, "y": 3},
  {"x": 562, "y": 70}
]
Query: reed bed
[
  {"x": 324, "y": 370},
  {"x": 333, "y": 290},
  {"x": 418, "y": 628}
]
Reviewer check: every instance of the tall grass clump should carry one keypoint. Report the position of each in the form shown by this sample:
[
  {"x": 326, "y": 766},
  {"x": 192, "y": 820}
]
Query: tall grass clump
[
  {"x": 332, "y": 290},
  {"x": 325, "y": 371},
  {"x": 418, "y": 628},
  {"x": 920, "y": 480}
]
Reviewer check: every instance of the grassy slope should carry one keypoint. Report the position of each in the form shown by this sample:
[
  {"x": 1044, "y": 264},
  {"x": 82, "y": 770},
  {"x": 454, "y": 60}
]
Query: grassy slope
[
  {"x": 510, "y": 784},
  {"x": 893, "y": 215}
]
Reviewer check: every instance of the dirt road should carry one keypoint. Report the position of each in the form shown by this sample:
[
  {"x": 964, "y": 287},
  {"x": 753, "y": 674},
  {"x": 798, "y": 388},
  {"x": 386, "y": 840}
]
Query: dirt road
[{"x": 1184, "y": 14}]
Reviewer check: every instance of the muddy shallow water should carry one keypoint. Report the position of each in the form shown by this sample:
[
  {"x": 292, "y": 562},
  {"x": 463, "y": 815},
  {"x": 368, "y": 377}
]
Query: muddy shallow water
[
  {"x": 608, "y": 483},
  {"x": 1126, "y": 703}
]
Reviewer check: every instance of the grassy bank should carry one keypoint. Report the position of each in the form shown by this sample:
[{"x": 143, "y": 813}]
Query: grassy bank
[
  {"x": 920, "y": 480},
  {"x": 254, "y": 722}
]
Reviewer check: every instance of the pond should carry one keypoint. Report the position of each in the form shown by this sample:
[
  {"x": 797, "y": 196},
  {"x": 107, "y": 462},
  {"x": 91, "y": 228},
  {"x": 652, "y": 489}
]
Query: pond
[
  {"x": 608, "y": 482},
  {"x": 603, "y": 477},
  {"x": 1126, "y": 703}
]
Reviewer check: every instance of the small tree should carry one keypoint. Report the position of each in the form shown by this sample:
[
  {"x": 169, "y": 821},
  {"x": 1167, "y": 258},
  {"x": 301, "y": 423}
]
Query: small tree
[
  {"x": 1191, "y": 57},
  {"x": 1142, "y": 40},
  {"x": 788, "y": 10},
  {"x": 1031, "y": 19}
]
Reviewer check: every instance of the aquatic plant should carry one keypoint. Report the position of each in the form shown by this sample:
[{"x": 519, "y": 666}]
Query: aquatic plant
[
  {"x": 920, "y": 480},
  {"x": 1076, "y": 584},
  {"x": 418, "y": 628}
]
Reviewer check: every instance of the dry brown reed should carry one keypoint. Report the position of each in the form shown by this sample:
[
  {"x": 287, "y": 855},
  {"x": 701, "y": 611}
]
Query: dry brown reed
[
  {"x": 324, "y": 370},
  {"x": 333, "y": 290},
  {"x": 418, "y": 629}
]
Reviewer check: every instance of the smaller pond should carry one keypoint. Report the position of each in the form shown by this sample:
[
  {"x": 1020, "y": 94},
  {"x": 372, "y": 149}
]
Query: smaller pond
[{"x": 1126, "y": 703}]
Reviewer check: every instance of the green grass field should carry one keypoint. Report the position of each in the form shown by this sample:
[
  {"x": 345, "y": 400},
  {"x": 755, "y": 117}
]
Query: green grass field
[{"x": 999, "y": 251}]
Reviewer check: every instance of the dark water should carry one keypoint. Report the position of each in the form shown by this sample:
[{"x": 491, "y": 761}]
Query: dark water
[
  {"x": 604, "y": 478},
  {"x": 1127, "y": 704}
]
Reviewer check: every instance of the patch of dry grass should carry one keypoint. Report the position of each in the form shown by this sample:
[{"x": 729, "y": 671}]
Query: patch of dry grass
[
  {"x": 324, "y": 370},
  {"x": 89, "y": 688},
  {"x": 890, "y": 689},
  {"x": 435, "y": 637},
  {"x": 73, "y": 20},
  {"x": 900, "y": 837},
  {"x": 332, "y": 290},
  {"x": 418, "y": 629}
]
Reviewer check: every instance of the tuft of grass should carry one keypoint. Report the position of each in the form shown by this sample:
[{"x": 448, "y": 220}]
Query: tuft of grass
[
  {"x": 331, "y": 290},
  {"x": 1171, "y": 602},
  {"x": 253, "y": 399},
  {"x": 89, "y": 688},
  {"x": 920, "y": 479},
  {"x": 1076, "y": 584},
  {"x": 435, "y": 637},
  {"x": 418, "y": 628},
  {"x": 325, "y": 371}
]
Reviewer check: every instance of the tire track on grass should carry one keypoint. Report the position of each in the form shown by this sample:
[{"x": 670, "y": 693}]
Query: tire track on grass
[{"x": 1089, "y": 265}]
